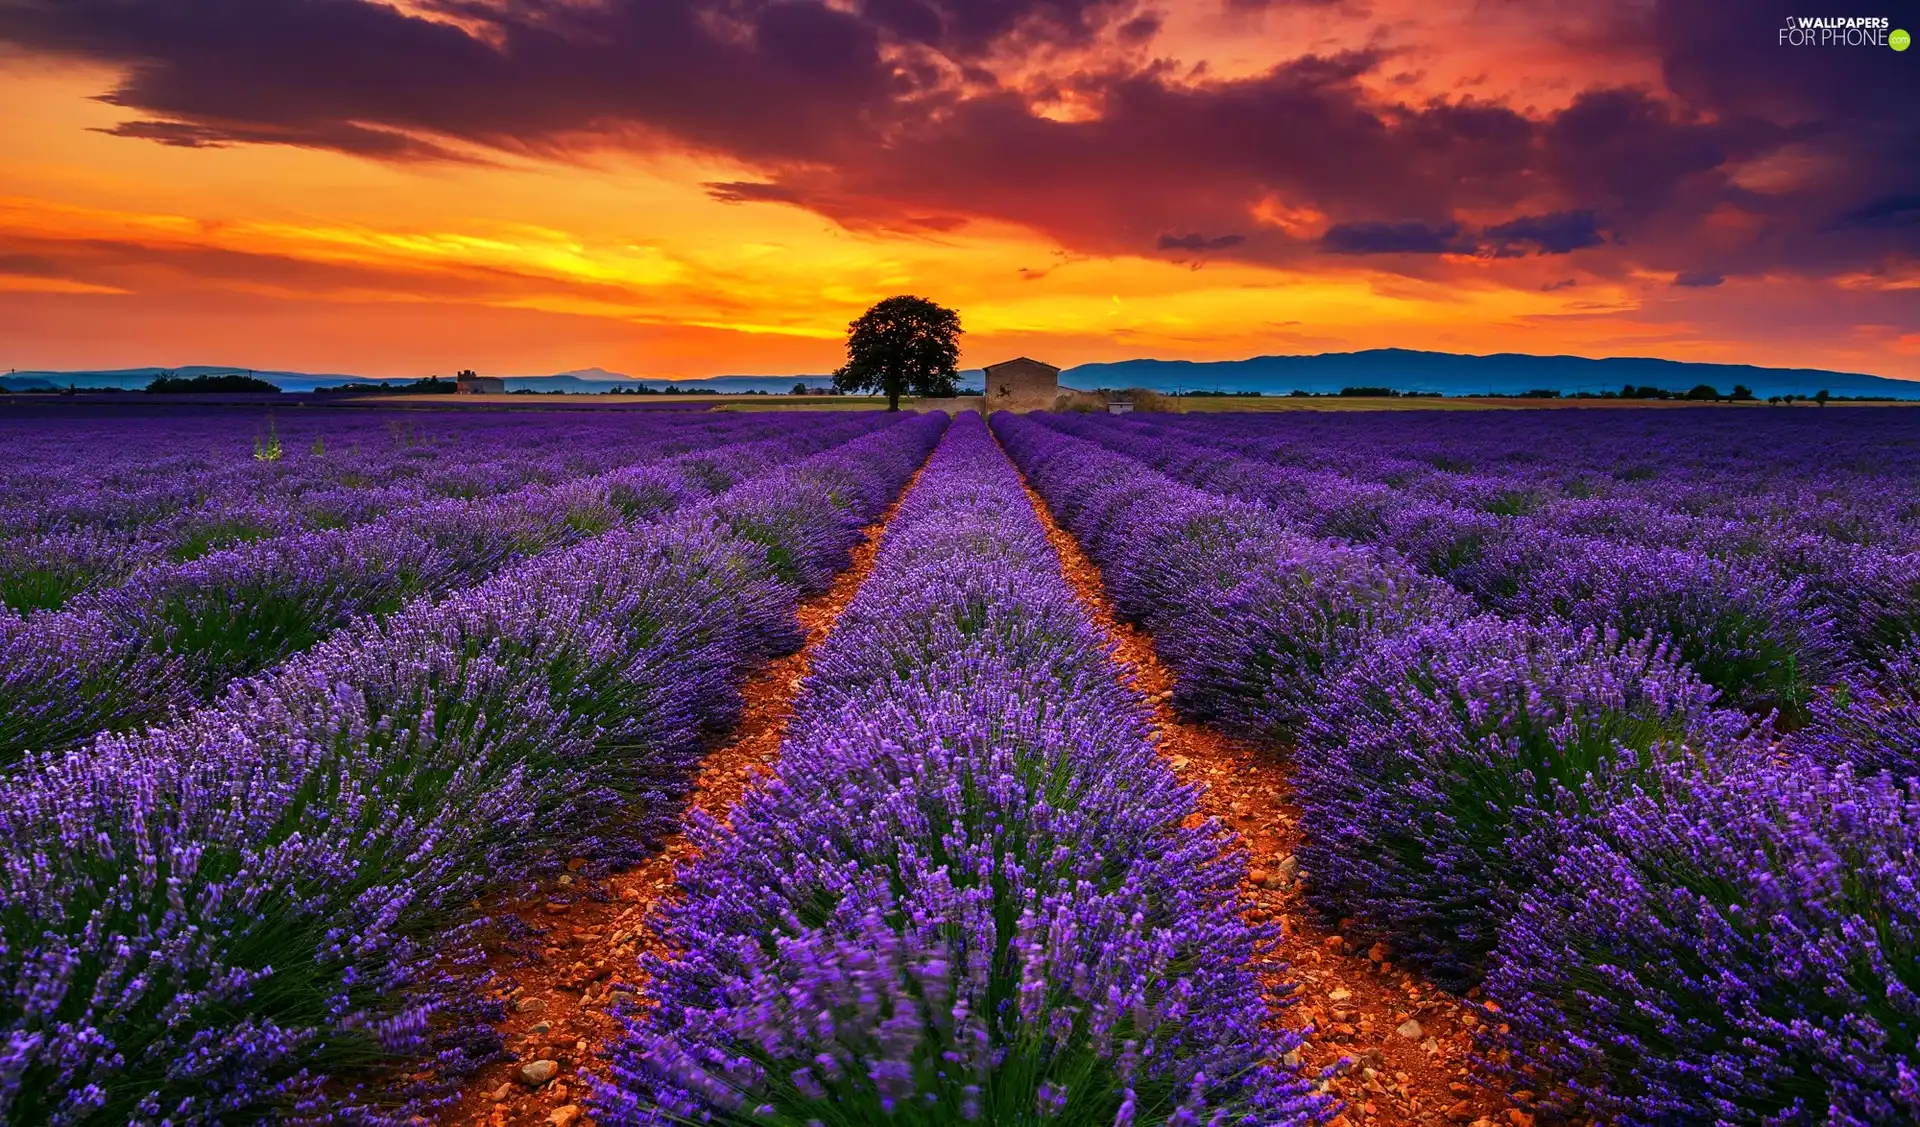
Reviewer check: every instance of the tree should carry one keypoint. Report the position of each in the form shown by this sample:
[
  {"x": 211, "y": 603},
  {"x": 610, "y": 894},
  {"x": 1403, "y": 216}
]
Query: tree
[
  {"x": 1742, "y": 393},
  {"x": 902, "y": 344},
  {"x": 1703, "y": 391},
  {"x": 798, "y": 389},
  {"x": 231, "y": 382},
  {"x": 1821, "y": 397}
]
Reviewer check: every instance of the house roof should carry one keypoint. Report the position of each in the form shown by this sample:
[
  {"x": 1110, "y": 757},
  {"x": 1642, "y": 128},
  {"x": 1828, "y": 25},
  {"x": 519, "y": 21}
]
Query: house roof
[{"x": 1018, "y": 359}]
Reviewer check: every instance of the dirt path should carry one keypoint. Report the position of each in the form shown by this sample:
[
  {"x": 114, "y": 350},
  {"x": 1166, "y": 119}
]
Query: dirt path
[
  {"x": 562, "y": 1011},
  {"x": 1408, "y": 1042}
]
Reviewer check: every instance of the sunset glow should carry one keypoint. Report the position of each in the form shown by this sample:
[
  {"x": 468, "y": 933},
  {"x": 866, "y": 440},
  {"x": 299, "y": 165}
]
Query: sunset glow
[{"x": 695, "y": 188}]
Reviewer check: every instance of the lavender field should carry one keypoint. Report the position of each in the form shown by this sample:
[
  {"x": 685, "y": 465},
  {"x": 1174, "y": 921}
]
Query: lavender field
[{"x": 363, "y": 767}]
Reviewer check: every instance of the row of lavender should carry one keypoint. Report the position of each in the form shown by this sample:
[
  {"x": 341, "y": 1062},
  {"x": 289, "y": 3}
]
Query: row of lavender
[
  {"x": 1674, "y": 922},
  {"x": 78, "y": 515},
  {"x": 1844, "y": 474},
  {"x": 229, "y": 918},
  {"x": 971, "y": 890},
  {"x": 173, "y": 634},
  {"x": 1766, "y": 617},
  {"x": 1803, "y": 486}
]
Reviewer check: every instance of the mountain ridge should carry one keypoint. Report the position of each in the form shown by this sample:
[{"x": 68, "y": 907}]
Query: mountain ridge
[{"x": 1453, "y": 373}]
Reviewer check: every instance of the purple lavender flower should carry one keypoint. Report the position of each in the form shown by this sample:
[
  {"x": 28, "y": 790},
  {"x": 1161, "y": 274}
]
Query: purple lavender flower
[
  {"x": 1749, "y": 633},
  {"x": 1731, "y": 945},
  {"x": 1870, "y": 719}
]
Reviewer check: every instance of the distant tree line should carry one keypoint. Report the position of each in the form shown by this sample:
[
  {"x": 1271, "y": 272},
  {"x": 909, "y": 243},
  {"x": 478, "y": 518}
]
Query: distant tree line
[
  {"x": 1706, "y": 393},
  {"x": 229, "y": 384},
  {"x": 432, "y": 385}
]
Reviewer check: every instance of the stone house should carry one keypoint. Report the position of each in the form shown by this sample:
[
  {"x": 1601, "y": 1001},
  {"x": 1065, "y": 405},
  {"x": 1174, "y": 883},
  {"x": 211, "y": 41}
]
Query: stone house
[
  {"x": 470, "y": 384},
  {"x": 1022, "y": 384}
]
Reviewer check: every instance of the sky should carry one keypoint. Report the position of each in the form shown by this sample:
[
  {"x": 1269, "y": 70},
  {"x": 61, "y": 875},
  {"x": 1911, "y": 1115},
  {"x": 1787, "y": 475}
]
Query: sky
[{"x": 702, "y": 187}]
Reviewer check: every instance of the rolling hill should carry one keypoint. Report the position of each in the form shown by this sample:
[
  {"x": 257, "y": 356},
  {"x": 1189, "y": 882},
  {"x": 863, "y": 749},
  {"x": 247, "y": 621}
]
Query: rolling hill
[{"x": 1448, "y": 373}]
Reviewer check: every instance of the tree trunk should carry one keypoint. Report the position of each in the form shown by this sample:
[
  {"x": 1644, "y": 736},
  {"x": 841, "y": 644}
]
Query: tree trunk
[{"x": 893, "y": 399}]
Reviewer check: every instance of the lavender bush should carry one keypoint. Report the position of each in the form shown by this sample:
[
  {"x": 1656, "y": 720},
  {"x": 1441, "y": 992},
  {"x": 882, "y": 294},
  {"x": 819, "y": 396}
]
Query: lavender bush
[
  {"x": 1446, "y": 767},
  {"x": 1256, "y": 648},
  {"x": 1753, "y": 635},
  {"x": 1870, "y": 720},
  {"x": 1872, "y": 593},
  {"x": 968, "y": 894},
  {"x": 1734, "y": 946}
]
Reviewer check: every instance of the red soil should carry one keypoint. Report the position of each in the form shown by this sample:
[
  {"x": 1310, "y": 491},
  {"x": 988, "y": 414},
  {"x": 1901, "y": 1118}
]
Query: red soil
[
  {"x": 1355, "y": 1001},
  {"x": 588, "y": 959}
]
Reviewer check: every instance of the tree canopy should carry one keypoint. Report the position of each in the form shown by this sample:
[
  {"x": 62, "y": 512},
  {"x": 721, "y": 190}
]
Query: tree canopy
[
  {"x": 903, "y": 344},
  {"x": 231, "y": 382}
]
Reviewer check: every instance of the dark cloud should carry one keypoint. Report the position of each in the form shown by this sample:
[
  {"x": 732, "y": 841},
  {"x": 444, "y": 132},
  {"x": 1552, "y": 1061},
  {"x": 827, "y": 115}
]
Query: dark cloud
[
  {"x": 1561, "y": 232},
  {"x": 764, "y": 81},
  {"x": 1849, "y": 143},
  {"x": 901, "y": 114},
  {"x": 384, "y": 144},
  {"x": 1140, "y": 30},
  {"x": 744, "y": 191},
  {"x": 31, "y": 265},
  {"x": 1697, "y": 279},
  {"x": 1633, "y": 154},
  {"x": 179, "y": 134},
  {"x": 1198, "y": 242},
  {"x": 1408, "y": 237},
  {"x": 1890, "y": 211},
  {"x": 977, "y": 26}
]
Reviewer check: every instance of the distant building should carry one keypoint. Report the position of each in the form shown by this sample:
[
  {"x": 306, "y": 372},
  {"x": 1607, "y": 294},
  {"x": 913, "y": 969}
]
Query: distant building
[
  {"x": 1022, "y": 384},
  {"x": 1120, "y": 403},
  {"x": 469, "y": 384}
]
